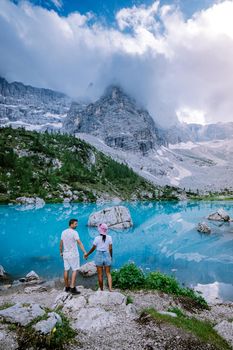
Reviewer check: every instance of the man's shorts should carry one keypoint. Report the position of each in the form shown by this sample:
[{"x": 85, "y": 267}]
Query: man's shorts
[
  {"x": 102, "y": 259},
  {"x": 71, "y": 263}
]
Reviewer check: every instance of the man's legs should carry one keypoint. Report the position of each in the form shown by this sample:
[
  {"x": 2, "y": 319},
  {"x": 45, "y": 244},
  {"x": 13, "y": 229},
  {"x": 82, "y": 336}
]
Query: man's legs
[
  {"x": 66, "y": 278},
  {"x": 100, "y": 276},
  {"x": 73, "y": 279}
]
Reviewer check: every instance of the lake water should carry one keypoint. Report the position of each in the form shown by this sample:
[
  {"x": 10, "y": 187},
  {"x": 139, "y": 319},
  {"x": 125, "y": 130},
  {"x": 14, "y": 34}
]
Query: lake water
[{"x": 164, "y": 238}]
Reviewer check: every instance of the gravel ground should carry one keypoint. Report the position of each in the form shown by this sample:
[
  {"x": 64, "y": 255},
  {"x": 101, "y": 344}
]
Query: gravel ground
[{"x": 130, "y": 331}]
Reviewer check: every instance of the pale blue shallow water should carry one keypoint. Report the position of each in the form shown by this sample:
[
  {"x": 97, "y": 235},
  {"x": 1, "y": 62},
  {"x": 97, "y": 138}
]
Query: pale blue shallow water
[{"x": 164, "y": 238}]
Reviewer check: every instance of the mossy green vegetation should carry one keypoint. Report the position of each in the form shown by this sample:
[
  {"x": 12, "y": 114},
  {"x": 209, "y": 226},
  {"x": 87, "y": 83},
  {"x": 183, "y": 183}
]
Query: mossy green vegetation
[
  {"x": 223, "y": 195},
  {"x": 131, "y": 277},
  {"x": 129, "y": 300},
  {"x": 203, "y": 330},
  {"x": 6, "y": 305},
  {"x": 49, "y": 165}
]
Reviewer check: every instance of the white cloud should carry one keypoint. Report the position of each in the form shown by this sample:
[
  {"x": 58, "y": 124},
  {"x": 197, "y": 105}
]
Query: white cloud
[
  {"x": 172, "y": 66},
  {"x": 187, "y": 115}
]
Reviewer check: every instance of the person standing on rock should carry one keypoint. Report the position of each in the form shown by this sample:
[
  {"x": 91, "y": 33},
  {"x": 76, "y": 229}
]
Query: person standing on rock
[
  {"x": 103, "y": 258},
  {"x": 69, "y": 252}
]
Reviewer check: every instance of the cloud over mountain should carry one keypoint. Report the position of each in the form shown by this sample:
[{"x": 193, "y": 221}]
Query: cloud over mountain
[{"x": 172, "y": 66}]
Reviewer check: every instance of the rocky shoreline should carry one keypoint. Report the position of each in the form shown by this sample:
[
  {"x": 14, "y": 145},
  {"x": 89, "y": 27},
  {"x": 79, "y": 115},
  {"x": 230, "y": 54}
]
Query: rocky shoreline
[{"x": 104, "y": 320}]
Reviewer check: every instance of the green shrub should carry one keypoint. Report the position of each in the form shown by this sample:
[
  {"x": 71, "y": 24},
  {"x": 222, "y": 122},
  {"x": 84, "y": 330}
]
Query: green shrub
[
  {"x": 131, "y": 277},
  {"x": 165, "y": 283},
  {"x": 128, "y": 277}
]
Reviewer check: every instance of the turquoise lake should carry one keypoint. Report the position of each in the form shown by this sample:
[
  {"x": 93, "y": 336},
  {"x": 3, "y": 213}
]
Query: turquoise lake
[{"x": 164, "y": 237}]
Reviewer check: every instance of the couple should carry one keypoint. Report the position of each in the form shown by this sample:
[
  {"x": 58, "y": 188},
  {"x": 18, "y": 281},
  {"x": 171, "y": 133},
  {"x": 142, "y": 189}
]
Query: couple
[{"x": 69, "y": 251}]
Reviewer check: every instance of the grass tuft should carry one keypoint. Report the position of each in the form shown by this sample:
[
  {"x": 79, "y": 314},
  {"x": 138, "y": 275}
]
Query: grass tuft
[{"x": 203, "y": 330}]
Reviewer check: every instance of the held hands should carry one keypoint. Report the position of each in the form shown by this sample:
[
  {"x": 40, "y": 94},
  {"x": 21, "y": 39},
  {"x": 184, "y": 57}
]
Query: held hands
[{"x": 85, "y": 256}]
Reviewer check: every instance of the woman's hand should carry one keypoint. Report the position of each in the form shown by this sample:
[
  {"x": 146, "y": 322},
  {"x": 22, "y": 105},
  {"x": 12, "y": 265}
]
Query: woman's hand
[{"x": 85, "y": 256}]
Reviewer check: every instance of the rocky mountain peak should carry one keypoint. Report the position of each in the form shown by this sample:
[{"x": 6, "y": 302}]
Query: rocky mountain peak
[
  {"x": 115, "y": 93},
  {"x": 117, "y": 120}
]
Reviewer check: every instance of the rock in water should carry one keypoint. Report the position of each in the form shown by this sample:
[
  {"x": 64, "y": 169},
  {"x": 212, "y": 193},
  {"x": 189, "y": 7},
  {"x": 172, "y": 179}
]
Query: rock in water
[
  {"x": 219, "y": 215},
  {"x": 117, "y": 217},
  {"x": 203, "y": 227}
]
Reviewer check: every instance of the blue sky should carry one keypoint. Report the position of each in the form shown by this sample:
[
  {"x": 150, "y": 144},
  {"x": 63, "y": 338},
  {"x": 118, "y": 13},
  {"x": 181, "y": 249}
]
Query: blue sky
[
  {"x": 176, "y": 61},
  {"x": 108, "y": 8}
]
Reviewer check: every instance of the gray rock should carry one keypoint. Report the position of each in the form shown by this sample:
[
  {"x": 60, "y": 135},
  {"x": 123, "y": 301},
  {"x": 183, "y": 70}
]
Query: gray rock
[
  {"x": 88, "y": 269},
  {"x": 219, "y": 215},
  {"x": 131, "y": 311},
  {"x": 61, "y": 298},
  {"x": 75, "y": 304},
  {"x": 225, "y": 330},
  {"x": 22, "y": 313},
  {"x": 46, "y": 326},
  {"x": 35, "y": 289},
  {"x": 32, "y": 275},
  {"x": 116, "y": 217},
  {"x": 8, "y": 340},
  {"x": 93, "y": 319},
  {"x": 203, "y": 227},
  {"x": 104, "y": 298}
]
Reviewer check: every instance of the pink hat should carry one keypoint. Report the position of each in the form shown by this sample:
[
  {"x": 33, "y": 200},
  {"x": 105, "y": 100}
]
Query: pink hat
[{"x": 103, "y": 229}]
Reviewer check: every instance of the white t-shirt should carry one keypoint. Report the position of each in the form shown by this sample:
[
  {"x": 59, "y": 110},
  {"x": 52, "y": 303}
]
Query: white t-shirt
[
  {"x": 101, "y": 245},
  {"x": 69, "y": 238}
]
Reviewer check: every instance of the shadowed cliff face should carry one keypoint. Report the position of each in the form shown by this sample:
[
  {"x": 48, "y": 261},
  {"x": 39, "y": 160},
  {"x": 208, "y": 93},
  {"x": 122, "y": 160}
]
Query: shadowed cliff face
[{"x": 117, "y": 120}]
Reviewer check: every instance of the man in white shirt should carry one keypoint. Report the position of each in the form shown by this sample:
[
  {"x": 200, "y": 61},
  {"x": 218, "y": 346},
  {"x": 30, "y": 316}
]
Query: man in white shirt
[{"x": 69, "y": 252}]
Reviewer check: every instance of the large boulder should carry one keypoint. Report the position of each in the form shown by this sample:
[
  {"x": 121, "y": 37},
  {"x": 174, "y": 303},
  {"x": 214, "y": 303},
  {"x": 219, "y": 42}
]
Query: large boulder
[
  {"x": 89, "y": 269},
  {"x": 203, "y": 227},
  {"x": 219, "y": 215},
  {"x": 117, "y": 217}
]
